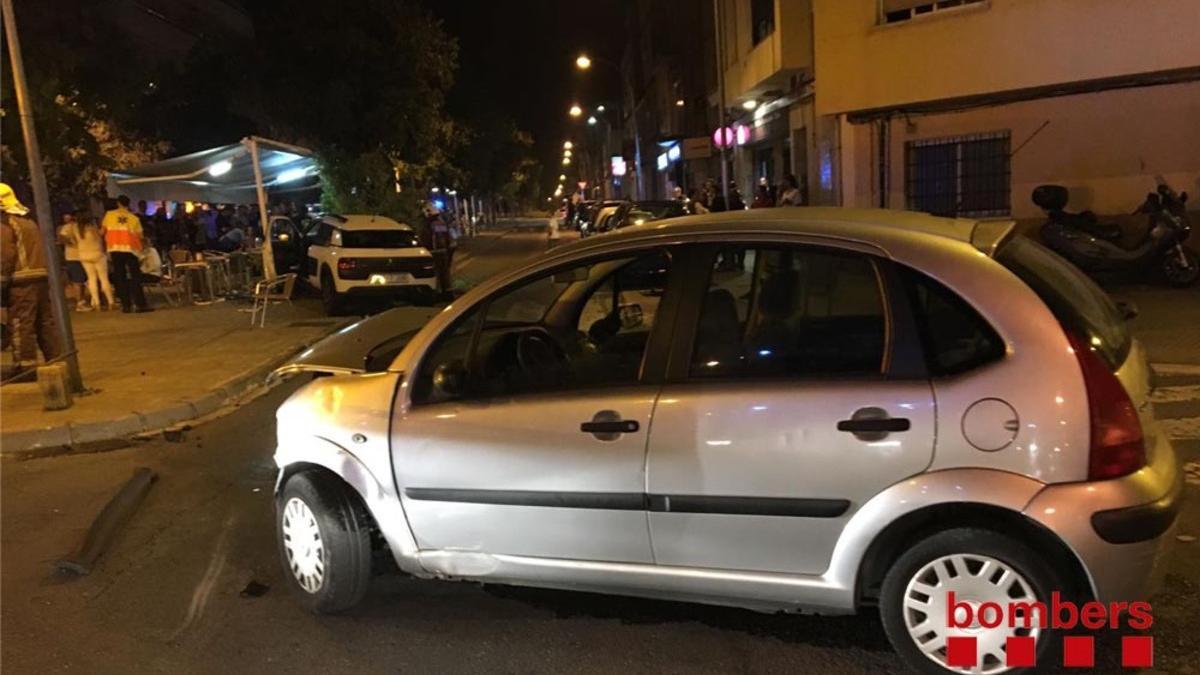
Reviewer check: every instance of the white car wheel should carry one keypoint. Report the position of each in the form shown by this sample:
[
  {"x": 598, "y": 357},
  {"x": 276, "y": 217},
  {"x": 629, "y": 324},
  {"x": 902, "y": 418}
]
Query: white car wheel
[
  {"x": 303, "y": 545},
  {"x": 976, "y": 581}
]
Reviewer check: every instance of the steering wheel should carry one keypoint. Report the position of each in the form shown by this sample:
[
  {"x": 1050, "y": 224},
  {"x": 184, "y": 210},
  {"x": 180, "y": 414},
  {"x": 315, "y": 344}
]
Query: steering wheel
[{"x": 536, "y": 350}]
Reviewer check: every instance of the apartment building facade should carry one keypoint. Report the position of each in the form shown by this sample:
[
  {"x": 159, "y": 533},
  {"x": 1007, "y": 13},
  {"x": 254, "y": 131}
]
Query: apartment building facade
[{"x": 962, "y": 107}]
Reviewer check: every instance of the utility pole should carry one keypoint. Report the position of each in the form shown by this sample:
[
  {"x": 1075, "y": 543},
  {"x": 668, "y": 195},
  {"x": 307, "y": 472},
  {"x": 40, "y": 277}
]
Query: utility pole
[
  {"x": 41, "y": 199},
  {"x": 720, "y": 45}
]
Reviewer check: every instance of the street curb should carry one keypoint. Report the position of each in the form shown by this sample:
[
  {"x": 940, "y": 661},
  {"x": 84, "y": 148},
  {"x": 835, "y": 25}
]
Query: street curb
[{"x": 224, "y": 393}]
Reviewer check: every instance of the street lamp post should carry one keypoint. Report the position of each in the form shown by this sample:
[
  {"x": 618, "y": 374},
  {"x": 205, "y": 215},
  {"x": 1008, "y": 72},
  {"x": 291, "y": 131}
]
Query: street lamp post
[
  {"x": 41, "y": 199},
  {"x": 584, "y": 62}
]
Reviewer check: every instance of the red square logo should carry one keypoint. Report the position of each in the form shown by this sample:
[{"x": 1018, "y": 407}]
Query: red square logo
[
  {"x": 1019, "y": 652},
  {"x": 1137, "y": 651},
  {"x": 961, "y": 652},
  {"x": 1079, "y": 651}
]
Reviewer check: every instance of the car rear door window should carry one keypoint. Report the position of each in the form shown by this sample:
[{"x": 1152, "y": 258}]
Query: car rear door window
[
  {"x": 955, "y": 338},
  {"x": 1081, "y": 306},
  {"x": 780, "y": 311}
]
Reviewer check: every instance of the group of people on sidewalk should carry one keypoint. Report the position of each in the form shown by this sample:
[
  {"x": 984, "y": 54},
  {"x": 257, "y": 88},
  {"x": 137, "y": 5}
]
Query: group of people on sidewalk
[
  {"x": 88, "y": 248},
  {"x": 711, "y": 199},
  {"x": 114, "y": 252}
]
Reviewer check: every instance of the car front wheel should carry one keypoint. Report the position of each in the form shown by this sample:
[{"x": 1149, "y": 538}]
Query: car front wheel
[
  {"x": 981, "y": 568},
  {"x": 324, "y": 537}
]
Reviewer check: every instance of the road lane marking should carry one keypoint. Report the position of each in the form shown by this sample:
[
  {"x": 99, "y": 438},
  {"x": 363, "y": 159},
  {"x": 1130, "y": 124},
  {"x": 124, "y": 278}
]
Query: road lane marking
[
  {"x": 1173, "y": 394},
  {"x": 1175, "y": 368},
  {"x": 1182, "y": 428}
]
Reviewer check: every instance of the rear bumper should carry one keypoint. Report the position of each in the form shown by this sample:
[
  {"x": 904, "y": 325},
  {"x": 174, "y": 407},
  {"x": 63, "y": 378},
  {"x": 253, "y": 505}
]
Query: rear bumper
[
  {"x": 365, "y": 290},
  {"x": 1119, "y": 529}
]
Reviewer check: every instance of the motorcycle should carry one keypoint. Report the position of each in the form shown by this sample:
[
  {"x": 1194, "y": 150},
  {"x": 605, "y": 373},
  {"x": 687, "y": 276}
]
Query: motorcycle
[
  {"x": 1053, "y": 200},
  {"x": 1098, "y": 253}
]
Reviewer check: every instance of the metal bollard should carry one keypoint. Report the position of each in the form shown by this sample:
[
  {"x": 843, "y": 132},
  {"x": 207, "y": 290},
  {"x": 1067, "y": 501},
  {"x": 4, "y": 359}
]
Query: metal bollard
[{"x": 56, "y": 391}]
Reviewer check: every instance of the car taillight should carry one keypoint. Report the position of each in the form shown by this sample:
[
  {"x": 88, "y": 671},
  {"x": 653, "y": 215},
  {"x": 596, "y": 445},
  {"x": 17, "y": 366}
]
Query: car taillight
[
  {"x": 347, "y": 264},
  {"x": 1117, "y": 447}
]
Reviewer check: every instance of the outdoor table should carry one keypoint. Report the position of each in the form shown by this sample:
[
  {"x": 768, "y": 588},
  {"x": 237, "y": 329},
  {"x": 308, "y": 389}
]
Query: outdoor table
[
  {"x": 197, "y": 276},
  {"x": 218, "y": 264}
]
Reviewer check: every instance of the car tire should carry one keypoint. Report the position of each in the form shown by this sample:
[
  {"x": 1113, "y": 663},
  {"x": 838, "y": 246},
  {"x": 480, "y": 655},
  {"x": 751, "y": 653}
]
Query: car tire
[
  {"x": 424, "y": 296},
  {"x": 973, "y": 546},
  {"x": 324, "y": 535},
  {"x": 333, "y": 302}
]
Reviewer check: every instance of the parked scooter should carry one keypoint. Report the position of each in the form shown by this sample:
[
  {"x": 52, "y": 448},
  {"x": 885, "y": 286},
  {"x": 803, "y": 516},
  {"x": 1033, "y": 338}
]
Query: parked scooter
[
  {"x": 1053, "y": 199},
  {"x": 1160, "y": 249}
]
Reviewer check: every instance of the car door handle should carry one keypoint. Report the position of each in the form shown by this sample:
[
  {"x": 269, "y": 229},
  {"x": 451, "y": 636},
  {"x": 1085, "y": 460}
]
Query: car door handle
[
  {"x": 607, "y": 425},
  {"x": 621, "y": 427},
  {"x": 881, "y": 425}
]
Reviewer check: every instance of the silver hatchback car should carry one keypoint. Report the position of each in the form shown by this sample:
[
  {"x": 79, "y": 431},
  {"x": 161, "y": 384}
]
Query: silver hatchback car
[{"x": 819, "y": 410}]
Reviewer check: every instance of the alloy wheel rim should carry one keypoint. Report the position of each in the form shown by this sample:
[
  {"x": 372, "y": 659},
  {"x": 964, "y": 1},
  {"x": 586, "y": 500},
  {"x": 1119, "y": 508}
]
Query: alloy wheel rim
[
  {"x": 303, "y": 544},
  {"x": 974, "y": 580}
]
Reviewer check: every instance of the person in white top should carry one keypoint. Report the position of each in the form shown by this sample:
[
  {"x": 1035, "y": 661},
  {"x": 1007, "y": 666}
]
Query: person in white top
[
  {"x": 90, "y": 242},
  {"x": 68, "y": 236},
  {"x": 789, "y": 192}
]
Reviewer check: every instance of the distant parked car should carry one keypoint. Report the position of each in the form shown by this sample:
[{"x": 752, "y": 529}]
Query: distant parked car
[
  {"x": 637, "y": 213},
  {"x": 868, "y": 411},
  {"x": 368, "y": 256}
]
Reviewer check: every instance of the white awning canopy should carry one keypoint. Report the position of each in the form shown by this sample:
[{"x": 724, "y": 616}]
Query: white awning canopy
[{"x": 223, "y": 175}]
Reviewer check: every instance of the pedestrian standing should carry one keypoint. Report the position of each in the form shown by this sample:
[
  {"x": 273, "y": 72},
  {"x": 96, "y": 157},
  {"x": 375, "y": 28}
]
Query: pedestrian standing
[
  {"x": 762, "y": 198},
  {"x": 789, "y": 195},
  {"x": 123, "y": 236},
  {"x": 68, "y": 236},
  {"x": 24, "y": 284},
  {"x": 696, "y": 204},
  {"x": 94, "y": 261}
]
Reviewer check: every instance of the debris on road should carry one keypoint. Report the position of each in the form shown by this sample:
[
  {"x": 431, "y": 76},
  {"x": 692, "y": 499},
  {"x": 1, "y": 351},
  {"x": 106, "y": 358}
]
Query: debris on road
[
  {"x": 106, "y": 525},
  {"x": 254, "y": 590}
]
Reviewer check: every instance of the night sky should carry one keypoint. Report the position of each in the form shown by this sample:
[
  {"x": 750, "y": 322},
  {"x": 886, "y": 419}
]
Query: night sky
[{"x": 522, "y": 53}]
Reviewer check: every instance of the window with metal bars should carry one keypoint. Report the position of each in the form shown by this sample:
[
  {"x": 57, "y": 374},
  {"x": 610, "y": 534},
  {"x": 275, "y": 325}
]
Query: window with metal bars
[
  {"x": 896, "y": 11},
  {"x": 959, "y": 176}
]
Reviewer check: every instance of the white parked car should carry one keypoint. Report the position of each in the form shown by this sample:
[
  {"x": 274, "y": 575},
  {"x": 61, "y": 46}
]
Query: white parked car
[
  {"x": 368, "y": 256},
  {"x": 806, "y": 409}
]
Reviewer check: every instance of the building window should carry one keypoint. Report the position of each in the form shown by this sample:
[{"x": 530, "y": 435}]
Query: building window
[
  {"x": 896, "y": 11},
  {"x": 959, "y": 176},
  {"x": 762, "y": 19}
]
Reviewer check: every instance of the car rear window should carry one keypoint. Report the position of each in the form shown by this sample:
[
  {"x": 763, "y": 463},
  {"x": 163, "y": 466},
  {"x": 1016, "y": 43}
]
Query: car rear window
[
  {"x": 1081, "y": 306},
  {"x": 378, "y": 239}
]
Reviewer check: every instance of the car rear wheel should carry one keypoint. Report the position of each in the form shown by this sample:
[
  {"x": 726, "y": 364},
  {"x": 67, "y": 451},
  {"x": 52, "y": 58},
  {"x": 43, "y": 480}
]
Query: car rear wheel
[
  {"x": 324, "y": 537},
  {"x": 980, "y": 567},
  {"x": 332, "y": 301}
]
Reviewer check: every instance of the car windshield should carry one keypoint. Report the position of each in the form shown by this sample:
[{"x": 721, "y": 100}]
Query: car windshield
[
  {"x": 1081, "y": 306},
  {"x": 379, "y": 239}
]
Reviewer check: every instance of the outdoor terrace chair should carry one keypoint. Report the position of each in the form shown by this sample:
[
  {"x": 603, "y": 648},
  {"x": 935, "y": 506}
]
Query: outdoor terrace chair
[{"x": 267, "y": 291}]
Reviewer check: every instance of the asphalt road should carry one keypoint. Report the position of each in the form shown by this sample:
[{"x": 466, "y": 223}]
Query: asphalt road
[{"x": 168, "y": 595}]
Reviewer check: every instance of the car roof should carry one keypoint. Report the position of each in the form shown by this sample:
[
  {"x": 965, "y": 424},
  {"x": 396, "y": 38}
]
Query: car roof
[
  {"x": 364, "y": 222},
  {"x": 877, "y": 226}
]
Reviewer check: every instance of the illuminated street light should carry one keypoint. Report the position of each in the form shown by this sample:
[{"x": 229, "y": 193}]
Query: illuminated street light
[
  {"x": 566, "y": 161},
  {"x": 679, "y": 103},
  {"x": 568, "y": 145},
  {"x": 562, "y": 177},
  {"x": 566, "y": 153},
  {"x": 750, "y": 104},
  {"x": 600, "y": 108},
  {"x": 576, "y": 111},
  {"x": 583, "y": 62},
  {"x": 592, "y": 120}
]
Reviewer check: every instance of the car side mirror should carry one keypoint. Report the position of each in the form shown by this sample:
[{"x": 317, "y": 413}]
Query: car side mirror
[
  {"x": 1127, "y": 309},
  {"x": 450, "y": 378}
]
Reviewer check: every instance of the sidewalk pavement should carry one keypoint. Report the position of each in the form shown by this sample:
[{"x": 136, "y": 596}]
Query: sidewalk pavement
[{"x": 150, "y": 371}]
